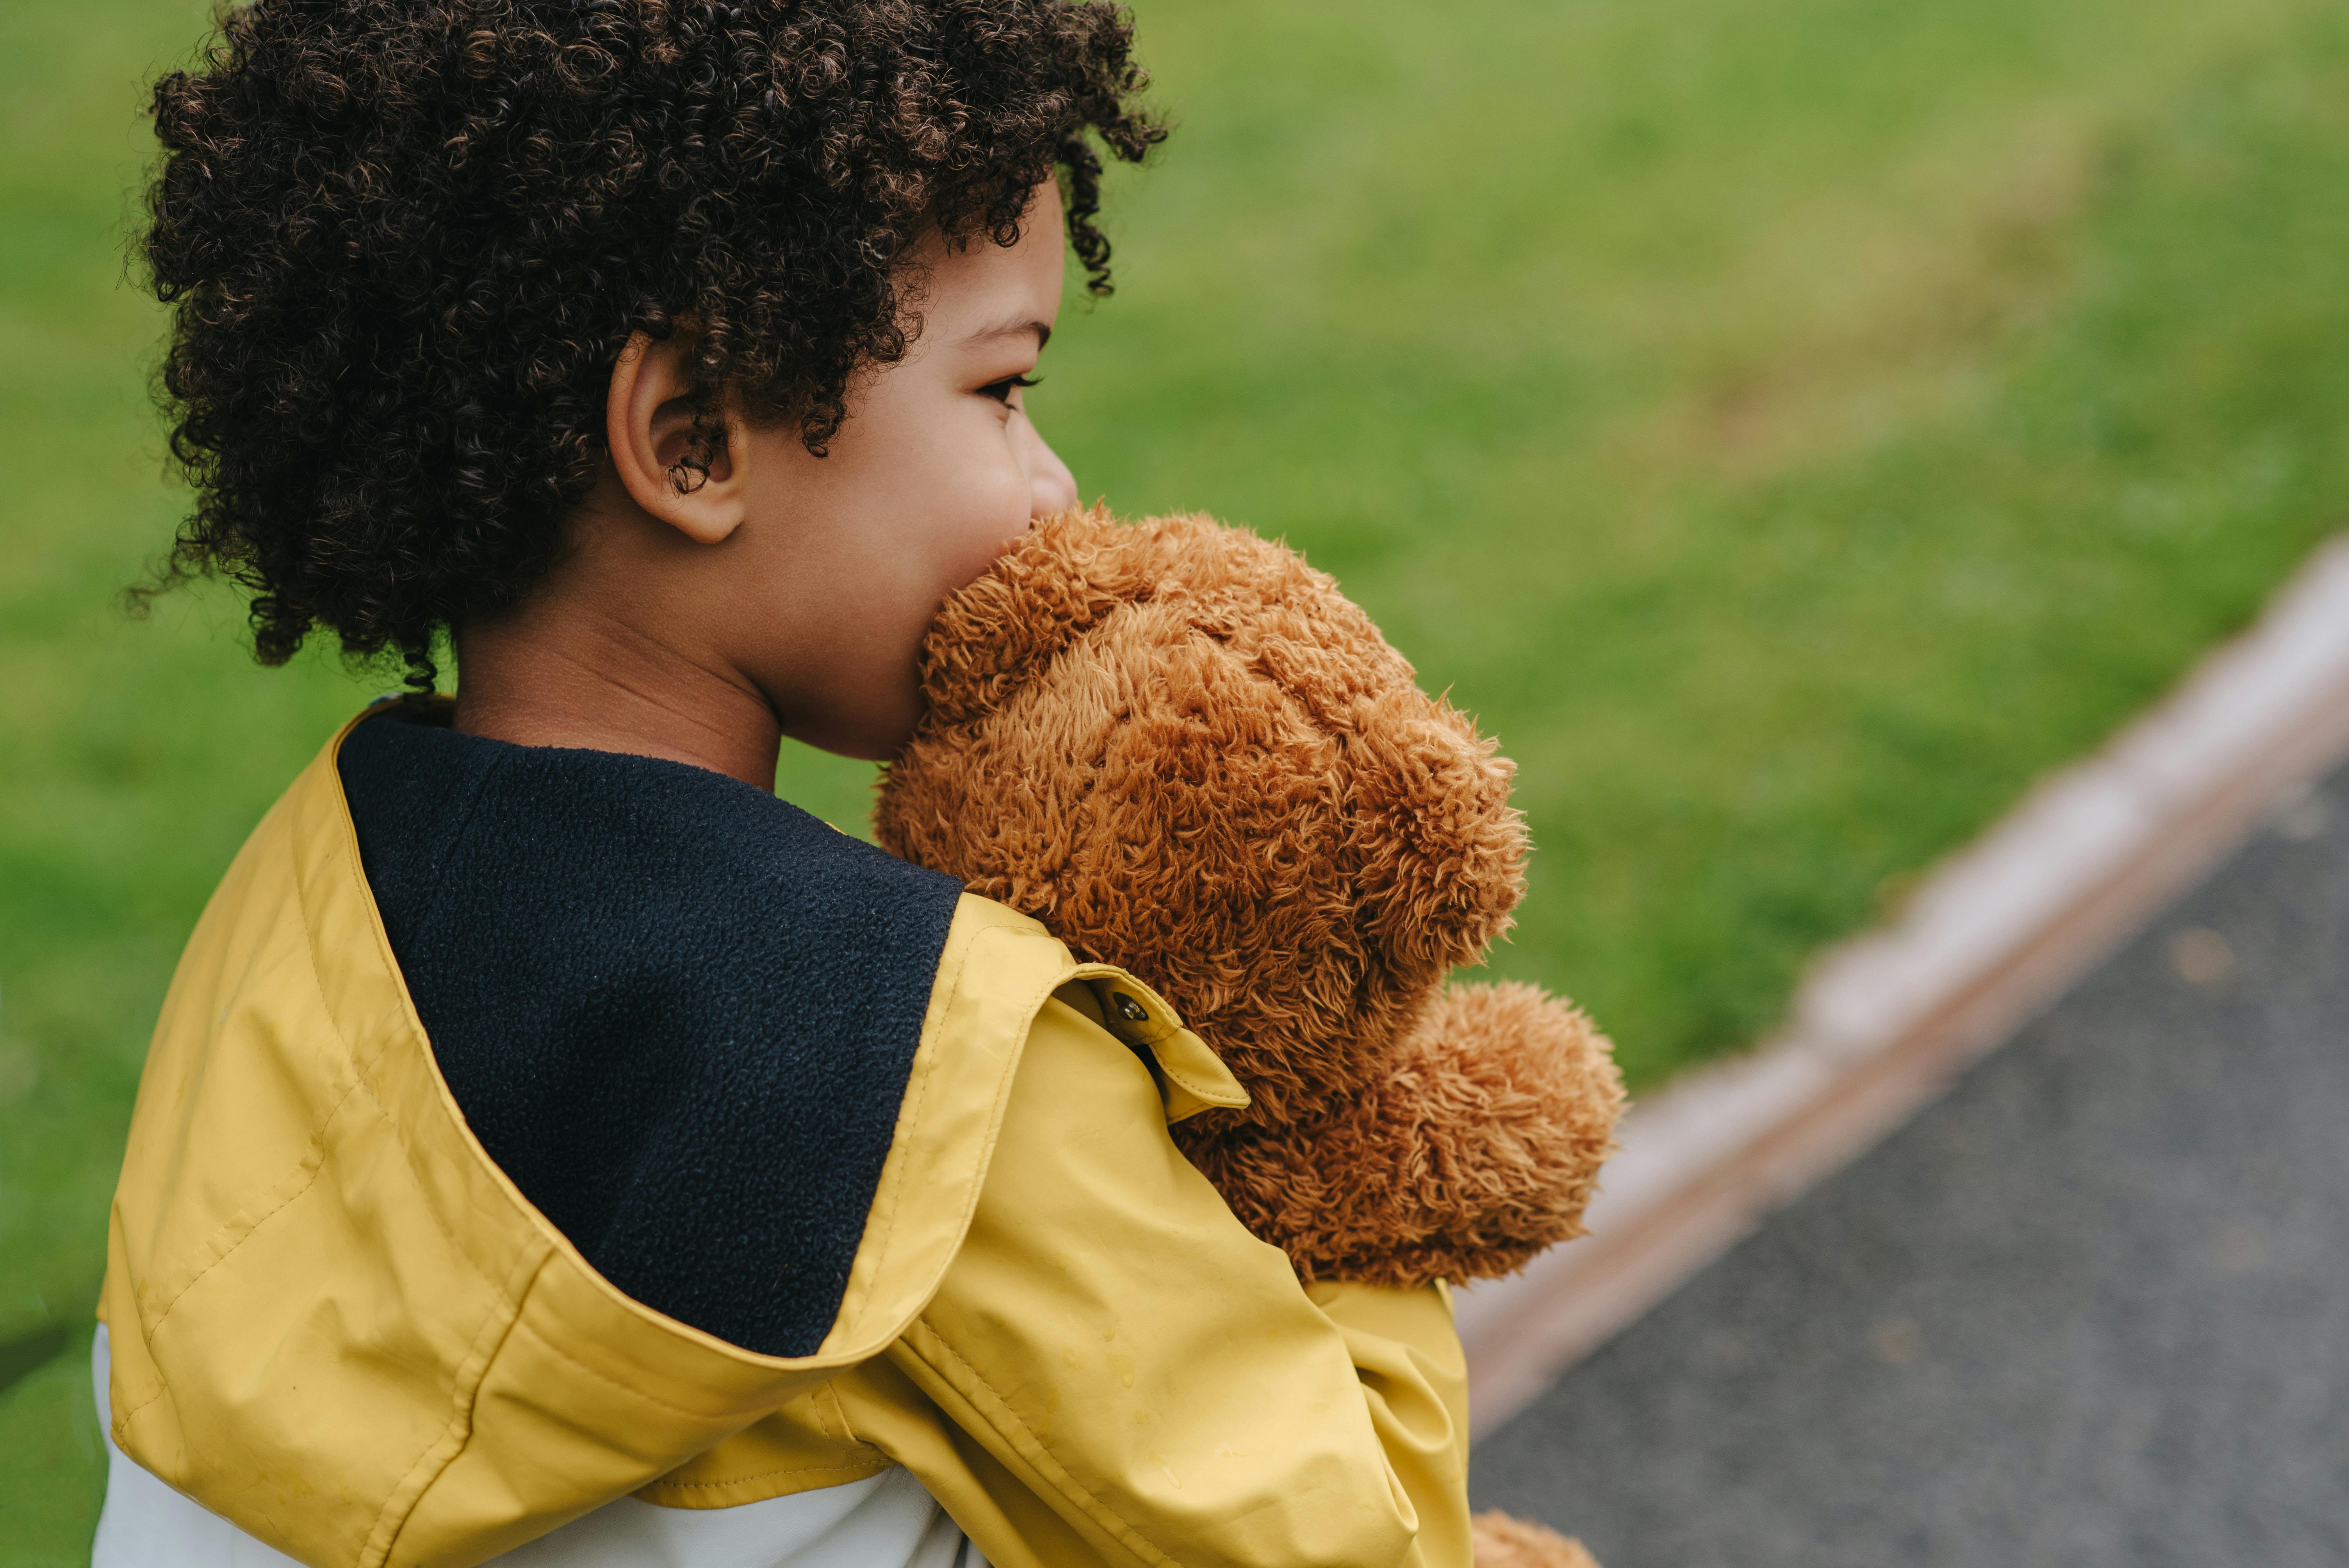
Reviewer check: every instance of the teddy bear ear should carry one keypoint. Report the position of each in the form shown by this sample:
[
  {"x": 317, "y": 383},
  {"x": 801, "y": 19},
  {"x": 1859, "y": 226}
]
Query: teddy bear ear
[
  {"x": 1440, "y": 854},
  {"x": 1064, "y": 575}
]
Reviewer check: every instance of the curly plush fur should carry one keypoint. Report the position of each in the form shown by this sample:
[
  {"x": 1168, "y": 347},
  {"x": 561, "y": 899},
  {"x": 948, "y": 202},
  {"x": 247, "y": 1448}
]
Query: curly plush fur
[
  {"x": 1187, "y": 753},
  {"x": 1506, "y": 1543},
  {"x": 1479, "y": 1148}
]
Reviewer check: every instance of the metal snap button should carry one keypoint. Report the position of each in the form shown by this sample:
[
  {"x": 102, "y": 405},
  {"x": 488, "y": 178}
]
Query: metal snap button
[{"x": 1132, "y": 1011}]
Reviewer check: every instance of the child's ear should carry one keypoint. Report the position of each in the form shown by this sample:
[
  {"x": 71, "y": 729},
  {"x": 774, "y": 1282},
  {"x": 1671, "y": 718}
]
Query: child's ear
[{"x": 649, "y": 425}]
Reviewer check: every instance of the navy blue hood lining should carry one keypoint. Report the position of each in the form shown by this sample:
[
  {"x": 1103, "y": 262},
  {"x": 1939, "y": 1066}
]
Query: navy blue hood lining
[{"x": 678, "y": 1012}]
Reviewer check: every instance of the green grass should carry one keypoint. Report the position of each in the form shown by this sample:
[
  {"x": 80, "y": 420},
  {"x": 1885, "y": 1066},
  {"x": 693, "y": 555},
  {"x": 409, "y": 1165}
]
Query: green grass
[{"x": 1790, "y": 425}]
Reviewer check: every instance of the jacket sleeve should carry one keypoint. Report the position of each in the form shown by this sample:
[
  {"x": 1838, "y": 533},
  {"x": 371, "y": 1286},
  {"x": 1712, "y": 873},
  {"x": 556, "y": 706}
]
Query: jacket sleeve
[{"x": 1129, "y": 1376}]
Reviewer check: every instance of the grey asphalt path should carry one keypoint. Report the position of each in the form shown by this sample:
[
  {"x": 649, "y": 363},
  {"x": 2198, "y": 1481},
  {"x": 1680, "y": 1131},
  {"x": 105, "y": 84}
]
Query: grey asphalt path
[{"x": 2091, "y": 1308}]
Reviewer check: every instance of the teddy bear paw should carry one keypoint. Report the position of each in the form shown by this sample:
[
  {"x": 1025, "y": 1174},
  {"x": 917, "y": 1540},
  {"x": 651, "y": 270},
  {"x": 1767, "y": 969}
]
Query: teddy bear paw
[{"x": 1506, "y": 1543}]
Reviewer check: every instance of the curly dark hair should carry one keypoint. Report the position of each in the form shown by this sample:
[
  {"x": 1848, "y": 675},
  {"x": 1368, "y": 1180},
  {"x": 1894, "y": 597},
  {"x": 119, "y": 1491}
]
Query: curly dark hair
[{"x": 405, "y": 241}]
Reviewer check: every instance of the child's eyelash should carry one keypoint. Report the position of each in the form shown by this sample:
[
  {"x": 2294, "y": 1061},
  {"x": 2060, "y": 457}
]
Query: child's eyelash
[{"x": 1001, "y": 390}]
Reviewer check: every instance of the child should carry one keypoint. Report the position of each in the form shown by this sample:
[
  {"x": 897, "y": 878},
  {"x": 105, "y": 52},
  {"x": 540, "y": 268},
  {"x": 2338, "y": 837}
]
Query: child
[{"x": 555, "y": 1148}]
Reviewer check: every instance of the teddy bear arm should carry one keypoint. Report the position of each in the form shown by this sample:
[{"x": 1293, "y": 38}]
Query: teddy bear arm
[
  {"x": 1506, "y": 1543},
  {"x": 1479, "y": 1148}
]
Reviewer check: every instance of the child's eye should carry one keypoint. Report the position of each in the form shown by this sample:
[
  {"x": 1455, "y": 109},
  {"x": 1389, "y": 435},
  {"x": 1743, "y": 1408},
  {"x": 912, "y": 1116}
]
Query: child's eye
[{"x": 1001, "y": 390}]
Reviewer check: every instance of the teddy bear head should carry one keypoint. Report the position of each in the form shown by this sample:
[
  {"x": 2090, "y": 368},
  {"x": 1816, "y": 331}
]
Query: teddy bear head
[{"x": 1183, "y": 750}]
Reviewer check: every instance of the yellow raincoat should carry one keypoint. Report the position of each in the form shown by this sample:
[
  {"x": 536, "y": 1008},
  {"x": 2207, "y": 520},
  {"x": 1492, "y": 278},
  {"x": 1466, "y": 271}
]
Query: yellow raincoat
[{"x": 336, "y": 1322}]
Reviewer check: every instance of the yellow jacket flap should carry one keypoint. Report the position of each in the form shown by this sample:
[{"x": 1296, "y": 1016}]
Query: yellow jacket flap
[{"x": 1192, "y": 1078}]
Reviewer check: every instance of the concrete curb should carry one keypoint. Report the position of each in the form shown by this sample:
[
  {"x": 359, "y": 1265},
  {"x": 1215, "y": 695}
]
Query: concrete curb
[{"x": 1885, "y": 1021}]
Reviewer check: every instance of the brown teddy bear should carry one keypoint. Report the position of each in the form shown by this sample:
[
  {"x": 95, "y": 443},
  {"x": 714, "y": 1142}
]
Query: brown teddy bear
[{"x": 1183, "y": 750}]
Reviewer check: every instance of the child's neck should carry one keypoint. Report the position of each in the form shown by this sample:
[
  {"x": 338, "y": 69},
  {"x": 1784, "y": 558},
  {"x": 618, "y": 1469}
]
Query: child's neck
[{"x": 561, "y": 675}]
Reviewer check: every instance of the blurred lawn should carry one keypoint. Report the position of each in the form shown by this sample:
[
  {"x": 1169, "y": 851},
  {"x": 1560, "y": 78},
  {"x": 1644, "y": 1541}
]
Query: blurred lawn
[{"x": 1790, "y": 426}]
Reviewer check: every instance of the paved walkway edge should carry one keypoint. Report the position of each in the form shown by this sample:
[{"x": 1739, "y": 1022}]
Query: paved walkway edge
[{"x": 1884, "y": 1022}]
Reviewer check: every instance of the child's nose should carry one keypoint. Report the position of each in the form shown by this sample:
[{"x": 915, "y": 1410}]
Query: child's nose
[{"x": 1051, "y": 489}]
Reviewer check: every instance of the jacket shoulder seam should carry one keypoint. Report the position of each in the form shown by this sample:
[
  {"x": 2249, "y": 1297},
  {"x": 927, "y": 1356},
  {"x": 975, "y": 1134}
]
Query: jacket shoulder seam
[
  {"x": 883, "y": 1458},
  {"x": 605, "y": 1378},
  {"x": 314, "y": 1152},
  {"x": 456, "y": 1437},
  {"x": 1068, "y": 1484}
]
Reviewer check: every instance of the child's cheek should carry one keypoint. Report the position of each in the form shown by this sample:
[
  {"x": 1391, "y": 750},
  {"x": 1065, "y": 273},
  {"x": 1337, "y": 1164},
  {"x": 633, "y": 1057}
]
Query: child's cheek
[{"x": 996, "y": 513}]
